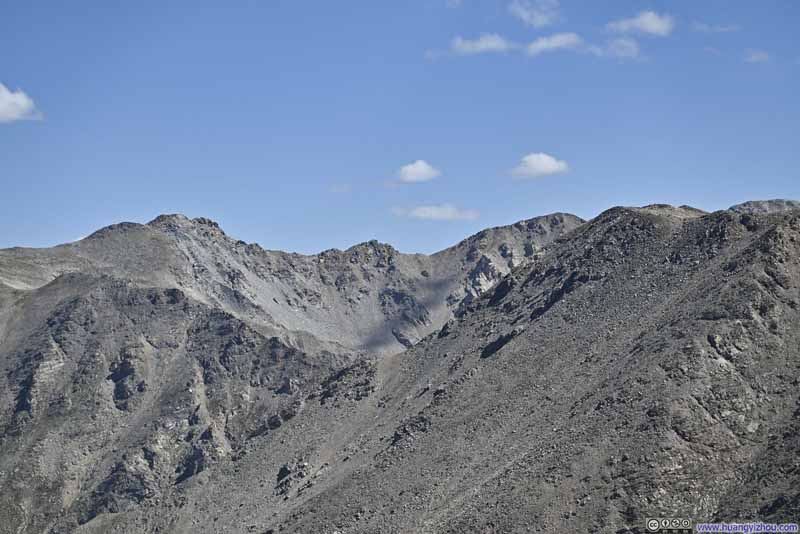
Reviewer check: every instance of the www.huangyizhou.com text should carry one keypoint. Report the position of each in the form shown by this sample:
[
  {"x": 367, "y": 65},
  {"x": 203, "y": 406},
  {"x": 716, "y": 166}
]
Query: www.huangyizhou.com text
[{"x": 747, "y": 528}]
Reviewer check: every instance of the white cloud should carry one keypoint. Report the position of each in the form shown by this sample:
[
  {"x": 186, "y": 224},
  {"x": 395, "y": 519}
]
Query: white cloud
[
  {"x": 539, "y": 164},
  {"x": 752, "y": 55},
  {"x": 419, "y": 171},
  {"x": 486, "y": 43},
  {"x": 16, "y": 106},
  {"x": 714, "y": 28},
  {"x": 438, "y": 212},
  {"x": 622, "y": 48},
  {"x": 554, "y": 42},
  {"x": 536, "y": 13},
  {"x": 453, "y": 4},
  {"x": 648, "y": 22}
]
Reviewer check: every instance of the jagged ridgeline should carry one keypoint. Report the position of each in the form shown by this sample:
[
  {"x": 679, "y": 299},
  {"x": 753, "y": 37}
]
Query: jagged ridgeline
[{"x": 555, "y": 374}]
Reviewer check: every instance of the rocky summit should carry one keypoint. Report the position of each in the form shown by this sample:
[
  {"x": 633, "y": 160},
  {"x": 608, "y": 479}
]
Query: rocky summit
[{"x": 554, "y": 375}]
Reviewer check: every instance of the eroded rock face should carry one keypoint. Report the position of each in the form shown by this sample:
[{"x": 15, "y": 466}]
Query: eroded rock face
[
  {"x": 640, "y": 364},
  {"x": 170, "y": 386}
]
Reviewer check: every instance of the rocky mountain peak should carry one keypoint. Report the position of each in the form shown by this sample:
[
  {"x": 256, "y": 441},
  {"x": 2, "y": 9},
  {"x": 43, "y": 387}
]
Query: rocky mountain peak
[
  {"x": 122, "y": 227},
  {"x": 177, "y": 222},
  {"x": 372, "y": 244},
  {"x": 683, "y": 212},
  {"x": 766, "y": 206},
  {"x": 170, "y": 219}
]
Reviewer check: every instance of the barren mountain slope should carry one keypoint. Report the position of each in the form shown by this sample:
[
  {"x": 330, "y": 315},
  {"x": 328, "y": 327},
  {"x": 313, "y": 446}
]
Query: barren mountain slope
[
  {"x": 367, "y": 298},
  {"x": 643, "y": 367},
  {"x": 647, "y": 366},
  {"x": 644, "y": 364},
  {"x": 168, "y": 346}
]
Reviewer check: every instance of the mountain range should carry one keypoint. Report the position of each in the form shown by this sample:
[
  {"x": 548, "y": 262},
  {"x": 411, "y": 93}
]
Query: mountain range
[{"x": 554, "y": 375}]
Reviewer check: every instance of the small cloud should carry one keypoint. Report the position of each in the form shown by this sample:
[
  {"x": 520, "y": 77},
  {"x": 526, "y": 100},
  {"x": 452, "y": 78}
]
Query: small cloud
[
  {"x": 619, "y": 48},
  {"x": 711, "y": 51},
  {"x": 622, "y": 48},
  {"x": 486, "y": 43},
  {"x": 648, "y": 22},
  {"x": 419, "y": 171},
  {"x": 558, "y": 41},
  {"x": 17, "y": 106},
  {"x": 714, "y": 28},
  {"x": 437, "y": 212},
  {"x": 340, "y": 188},
  {"x": 752, "y": 55},
  {"x": 454, "y": 4},
  {"x": 539, "y": 164},
  {"x": 536, "y": 13}
]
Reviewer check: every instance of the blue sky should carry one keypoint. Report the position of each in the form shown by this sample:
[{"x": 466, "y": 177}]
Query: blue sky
[{"x": 309, "y": 125}]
